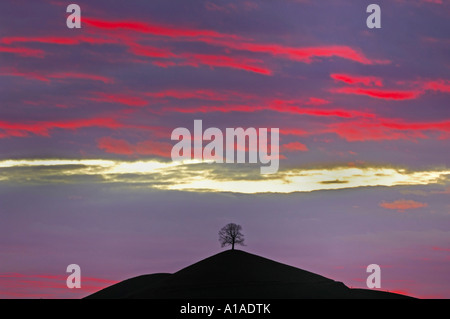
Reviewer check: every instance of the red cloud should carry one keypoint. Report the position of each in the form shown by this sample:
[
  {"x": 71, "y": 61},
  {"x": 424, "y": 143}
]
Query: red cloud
[
  {"x": 200, "y": 94},
  {"x": 230, "y": 41},
  {"x": 294, "y": 147},
  {"x": 281, "y": 106},
  {"x": 402, "y": 205},
  {"x": 316, "y": 101},
  {"x": 153, "y": 148},
  {"x": 48, "y": 40},
  {"x": 302, "y": 54},
  {"x": 155, "y": 29},
  {"x": 43, "y": 128},
  {"x": 120, "y": 146},
  {"x": 386, "y": 129},
  {"x": 24, "y": 52},
  {"x": 114, "y": 146},
  {"x": 150, "y": 51},
  {"x": 84, "y": 76},
  {"x": 124, "y": 99},
  {"x": 164, "y": 64},
  {"x": 190, "y": 94},
  {"x": 380, "y": 94},
  {"x": 433, "y": 1},
  {"x": 245, "y": 64},
  {"x": 438, "y": 85},
  {"x": 26, "y": 75},
  {"x": 196, "y": 60},
  {"x": 292, "y": 107},
  {"x": 62, "y": 75},
  {"x": 306, "y": 55},
  {"x": 352, "y": 79},
  {"x": 293, "y": 131},
  {"x": 441, "y": 249},
  {"x": 60, "y": 40}
]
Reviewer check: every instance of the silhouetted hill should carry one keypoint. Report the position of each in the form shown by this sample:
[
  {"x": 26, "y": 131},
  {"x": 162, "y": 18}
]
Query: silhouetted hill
[
  {"x": 236, "y": 274},
  {"x": 128, "y": 286}
]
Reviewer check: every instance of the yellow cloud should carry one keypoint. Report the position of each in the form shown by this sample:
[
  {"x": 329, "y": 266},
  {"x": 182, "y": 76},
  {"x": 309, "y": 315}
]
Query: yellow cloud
[{"x": 207, "y": 177}]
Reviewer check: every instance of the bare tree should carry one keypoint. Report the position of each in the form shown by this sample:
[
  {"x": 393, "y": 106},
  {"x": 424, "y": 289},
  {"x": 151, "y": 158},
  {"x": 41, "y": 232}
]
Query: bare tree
[{"x": 231, "y": 235}]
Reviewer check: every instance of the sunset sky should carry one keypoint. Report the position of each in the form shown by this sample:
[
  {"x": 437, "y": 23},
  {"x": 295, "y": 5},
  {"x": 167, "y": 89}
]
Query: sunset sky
[{"x": 86, "y": 116}]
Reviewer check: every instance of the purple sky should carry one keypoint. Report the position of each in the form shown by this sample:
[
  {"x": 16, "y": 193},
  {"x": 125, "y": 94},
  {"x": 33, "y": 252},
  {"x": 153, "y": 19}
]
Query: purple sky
[{"x": 86, "y": 117}]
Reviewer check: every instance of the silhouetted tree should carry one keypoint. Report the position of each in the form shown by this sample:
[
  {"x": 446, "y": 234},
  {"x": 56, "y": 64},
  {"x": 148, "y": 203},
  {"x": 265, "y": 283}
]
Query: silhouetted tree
[{"x": 231, "y": 235}]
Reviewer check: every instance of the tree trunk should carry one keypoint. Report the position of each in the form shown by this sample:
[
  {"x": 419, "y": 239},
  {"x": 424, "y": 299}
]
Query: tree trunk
[{"x": 232, "y": 245}]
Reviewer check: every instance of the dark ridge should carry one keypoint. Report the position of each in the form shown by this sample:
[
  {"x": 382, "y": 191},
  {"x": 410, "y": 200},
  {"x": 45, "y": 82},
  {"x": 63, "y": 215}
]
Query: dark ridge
[
  {"x": 124, "y": 288},
  {"x": 236, "y": 274}
]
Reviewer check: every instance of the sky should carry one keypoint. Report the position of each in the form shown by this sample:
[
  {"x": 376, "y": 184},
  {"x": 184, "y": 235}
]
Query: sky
[{"x": 86, "y": 116}]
